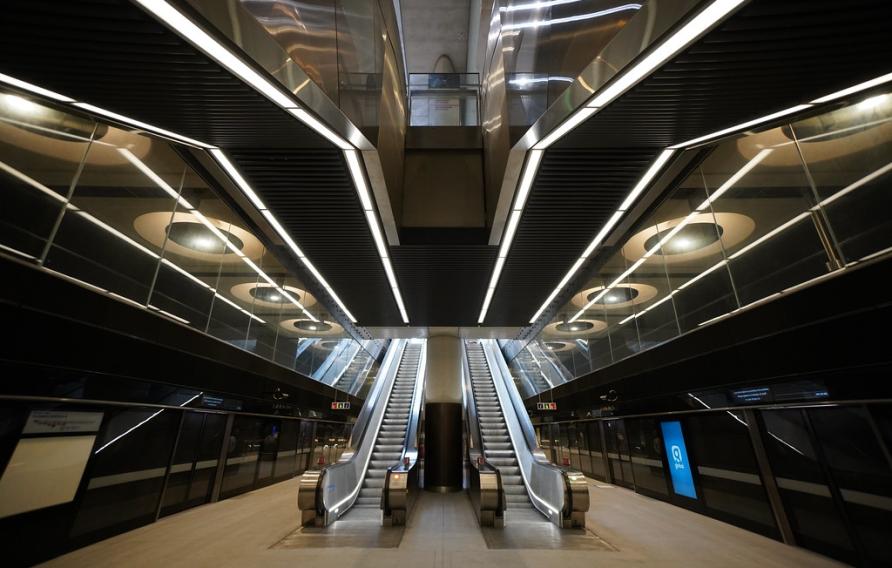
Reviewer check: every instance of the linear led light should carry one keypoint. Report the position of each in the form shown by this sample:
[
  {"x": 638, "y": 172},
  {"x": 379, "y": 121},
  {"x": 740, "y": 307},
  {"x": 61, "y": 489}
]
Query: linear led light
[
  {"x": 210, "y": 46},
  {"x": 31, "y": 88},
  {"x": 359, "y": 181},
  {"x": 576, "y": 266},
  {"x": 732, "y": 181},
  {"x": 687, "y": 34},
  {"x": 151, "y": 174},
  {"x": 854, "y": 89},
  {"x": 769, "y": 235},
  {"x": 706, "y": 272},
  {"x": 21, "y": 176},
  {"x": 198, "y": 37},
  {"x": 645, "y": 180},
  {"x": 602, "y": 234},
  {"x": 679, "y": 40},
  {"x": 526, "y": 180},
  {"x": 141, "y": 125},
  {"x": 126, "y": 432},
  {"x": 321, "y": 128},
  {"x": 201, "y": 39},
  {"x": 742, "y": 126},
  {"x": 236, "y": 176},
  {"x": 648, "y": 176},
  {"x": 853, "y": 186},
  {"x": 575, "y": 120},
  {"x": 513, "y": 221},
  {"x": 497, "y": 271},
  {"x": 485, "y": 307}
]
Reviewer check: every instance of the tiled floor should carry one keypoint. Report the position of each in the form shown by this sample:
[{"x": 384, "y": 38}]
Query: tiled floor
[{"x": 261, "y": 529}]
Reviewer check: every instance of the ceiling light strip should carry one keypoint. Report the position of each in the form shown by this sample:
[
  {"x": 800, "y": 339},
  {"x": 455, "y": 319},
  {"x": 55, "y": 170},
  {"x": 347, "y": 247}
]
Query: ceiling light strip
[
  {"x": 741, "y": 127},
  {"x": 645, "y": 180},
  {"x": 667, "y": 153},
  {"x": 683, "y": 37},
  {"x": 186, "y": 28},
  {"x": 854, "y": 89}
]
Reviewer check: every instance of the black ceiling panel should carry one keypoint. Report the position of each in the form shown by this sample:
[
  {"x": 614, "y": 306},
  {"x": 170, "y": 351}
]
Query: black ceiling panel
[
  {"x": 768, "y": 56},
  {"x": 113, "y": 55},
  {"x": 312, "y": 195},
  {"x": 443, "y": 285},
  {"x": 574, "y": 193}
]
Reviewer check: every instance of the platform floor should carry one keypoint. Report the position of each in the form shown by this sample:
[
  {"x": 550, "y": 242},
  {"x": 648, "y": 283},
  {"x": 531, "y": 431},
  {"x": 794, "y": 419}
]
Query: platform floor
[{"x": 261, "y": 529}]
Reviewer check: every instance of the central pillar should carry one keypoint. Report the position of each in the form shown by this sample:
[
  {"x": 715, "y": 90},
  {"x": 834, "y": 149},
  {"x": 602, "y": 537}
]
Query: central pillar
[{"x": 443, "y": 415}]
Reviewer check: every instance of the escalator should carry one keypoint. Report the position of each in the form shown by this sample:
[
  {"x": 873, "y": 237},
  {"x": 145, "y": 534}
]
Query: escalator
[
  {"x": 511, "y": 479},
  {"x": 391, "y": 441},
  {"x": 354, "y": 374},
  {"x": 496, "y": 446},
  {"x": 378, "y": 469}
]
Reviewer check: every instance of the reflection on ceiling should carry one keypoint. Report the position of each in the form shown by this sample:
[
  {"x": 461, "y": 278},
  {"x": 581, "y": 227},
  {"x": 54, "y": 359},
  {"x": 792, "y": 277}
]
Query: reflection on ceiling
[
  {"x": 265, "y": 295},
  {"x": 578, "y": 328},
  {"x": 62, "y": 136},
  {"x": 702, "y": 242},
  {"x": 619, "y": 297},
  {"x": 190, "y": 239},
  {"x": 310, "y": 328}
]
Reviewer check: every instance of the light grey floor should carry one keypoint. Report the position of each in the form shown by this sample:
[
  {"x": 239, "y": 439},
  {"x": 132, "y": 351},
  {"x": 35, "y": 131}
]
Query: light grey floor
[{"x": 260, "y": 528}]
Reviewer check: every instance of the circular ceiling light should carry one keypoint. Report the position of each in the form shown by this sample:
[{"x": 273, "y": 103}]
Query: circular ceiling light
[
  {"x": 196, "y": 236},
  {"x": 692, "y": 237},
  {"x": 183, "y": 235},
  {"x": 310, "y": 328},
  {"x": 557, "y": 346},
  {"x": 843, "y": 132},
  {"x": 266, "y": 295},
  {"x": 707, "y": 236},
  {"x": 619, "y": 297},
  {"x": 579, "y": 328}
]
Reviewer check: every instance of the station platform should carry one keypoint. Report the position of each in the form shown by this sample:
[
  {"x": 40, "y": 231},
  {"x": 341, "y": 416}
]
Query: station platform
[{"x": 261, "y": 529}]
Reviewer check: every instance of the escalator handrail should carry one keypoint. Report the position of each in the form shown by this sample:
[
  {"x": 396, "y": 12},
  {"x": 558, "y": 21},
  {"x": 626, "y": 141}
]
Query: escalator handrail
[
  {"x": 338, "y": 495},
  {"x": 410, "y": 445},
  {"x": 361, "y": 424},
  {"x": 544, "y": 481}
]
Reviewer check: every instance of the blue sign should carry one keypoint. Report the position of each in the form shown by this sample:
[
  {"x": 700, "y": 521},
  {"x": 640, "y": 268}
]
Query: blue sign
[{"x": 677, "y": 456}]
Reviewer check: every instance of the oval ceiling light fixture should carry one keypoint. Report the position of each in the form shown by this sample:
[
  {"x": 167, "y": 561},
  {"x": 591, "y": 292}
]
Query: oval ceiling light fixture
[
  {"x": 269, "y": 296},
  {"x": 312, "y": 328},
  {"x": 580, "y": 328}
]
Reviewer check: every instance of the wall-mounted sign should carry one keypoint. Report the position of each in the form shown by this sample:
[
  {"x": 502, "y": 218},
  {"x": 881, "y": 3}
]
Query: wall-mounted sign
[
  {"x": 340, "y": 405},
  {"x": 677, "y": 456},
  {"x": 62, "y": 422},
  {"x": 546, "y": 406}
]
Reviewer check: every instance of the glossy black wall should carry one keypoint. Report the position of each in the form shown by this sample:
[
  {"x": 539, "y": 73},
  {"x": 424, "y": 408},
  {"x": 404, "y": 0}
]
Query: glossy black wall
[{"x": 443, "y": 446}]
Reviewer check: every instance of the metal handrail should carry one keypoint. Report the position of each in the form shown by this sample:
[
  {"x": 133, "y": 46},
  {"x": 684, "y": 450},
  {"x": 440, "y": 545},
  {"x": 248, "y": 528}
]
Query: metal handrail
[{"x": 556, "y": 492}]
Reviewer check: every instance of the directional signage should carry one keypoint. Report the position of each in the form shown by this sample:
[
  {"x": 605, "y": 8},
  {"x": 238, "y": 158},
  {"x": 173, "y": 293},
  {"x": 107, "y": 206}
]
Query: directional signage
[
  {"x": 546, "y": 406},
  {"x": 340, "y": 405}
]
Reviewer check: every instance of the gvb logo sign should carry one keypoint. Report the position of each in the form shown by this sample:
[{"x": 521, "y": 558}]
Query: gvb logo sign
[
  {"x": 677, "y": 460},
  {"x": 679, "y": 465}
]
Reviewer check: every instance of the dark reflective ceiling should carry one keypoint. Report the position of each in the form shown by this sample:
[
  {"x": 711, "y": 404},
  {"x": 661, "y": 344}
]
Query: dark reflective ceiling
[{"x": 768, "y": 56}]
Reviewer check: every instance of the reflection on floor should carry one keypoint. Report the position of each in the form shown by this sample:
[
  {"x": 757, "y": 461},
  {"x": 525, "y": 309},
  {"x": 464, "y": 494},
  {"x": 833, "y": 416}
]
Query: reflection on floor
[{"x": 261, "y": 529}]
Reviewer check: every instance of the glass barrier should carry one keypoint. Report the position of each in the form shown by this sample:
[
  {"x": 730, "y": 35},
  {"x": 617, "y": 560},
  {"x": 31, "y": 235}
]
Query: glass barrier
[
  {"x": 444, "y": 99},
  {"x": 763, "y": 213},
  {"x": 122, "y": 213}
]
